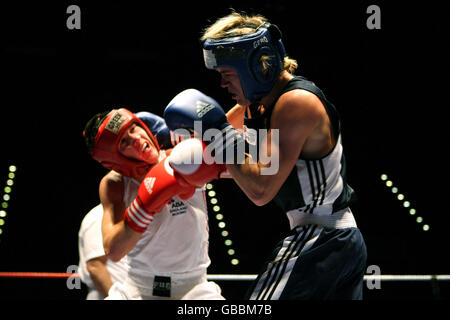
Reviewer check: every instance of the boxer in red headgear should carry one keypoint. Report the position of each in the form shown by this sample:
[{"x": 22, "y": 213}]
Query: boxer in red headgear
[
  {"x": 112, "y": 153},
  {"x": 157, "y": 215}
]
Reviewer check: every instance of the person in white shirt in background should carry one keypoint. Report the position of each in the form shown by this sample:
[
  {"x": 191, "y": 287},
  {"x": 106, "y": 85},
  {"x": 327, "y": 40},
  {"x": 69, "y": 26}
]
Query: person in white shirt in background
[{"x": 96, "y": 271}]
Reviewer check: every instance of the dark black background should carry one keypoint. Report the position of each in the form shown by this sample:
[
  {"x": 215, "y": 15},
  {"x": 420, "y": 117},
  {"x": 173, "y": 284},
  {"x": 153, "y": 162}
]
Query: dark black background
[{"x": 389, "y": 85}]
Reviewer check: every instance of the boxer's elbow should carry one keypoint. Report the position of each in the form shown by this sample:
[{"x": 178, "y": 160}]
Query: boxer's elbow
[
  {"x": 109, "y": 252},
  {"x": 259, "y": 188},
  {"x": 115, "y": 258},
  {"x": 260, "y": 201},
  {"x": 260, "y": 195},
  {"x": 119, "y": 241},
  {"x": 96, "y": 266},
  {"x": 113, "y": 253}
]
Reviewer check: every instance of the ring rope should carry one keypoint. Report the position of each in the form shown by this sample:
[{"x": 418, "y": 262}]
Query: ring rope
[{"x": 234, "y": 277}]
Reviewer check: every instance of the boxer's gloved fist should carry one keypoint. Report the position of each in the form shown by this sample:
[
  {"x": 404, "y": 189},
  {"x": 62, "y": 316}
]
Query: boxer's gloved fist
[
  {"x": 155, "y": 191},
  {"x": 165, "y": 137},
  {"x": 190, "y": 165},
  {"x": 191, "y": 109},
  {"x": 192, "y": 105}
]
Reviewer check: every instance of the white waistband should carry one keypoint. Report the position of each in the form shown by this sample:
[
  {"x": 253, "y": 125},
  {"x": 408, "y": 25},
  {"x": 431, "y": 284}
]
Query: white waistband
[
  {"x": 141, "y": 274},
  {"x": 338, "y": 220},
  {"x": 144, "y": 281}
]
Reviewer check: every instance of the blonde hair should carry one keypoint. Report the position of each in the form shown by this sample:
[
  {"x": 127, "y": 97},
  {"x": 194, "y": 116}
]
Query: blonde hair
[{"x": 236, "y": 24}]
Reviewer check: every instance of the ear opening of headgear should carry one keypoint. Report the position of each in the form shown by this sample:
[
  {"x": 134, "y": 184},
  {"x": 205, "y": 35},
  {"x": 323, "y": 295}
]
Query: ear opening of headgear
[
  {"x": 107, "y": 139},
  {"x": 243, "y": 53}
]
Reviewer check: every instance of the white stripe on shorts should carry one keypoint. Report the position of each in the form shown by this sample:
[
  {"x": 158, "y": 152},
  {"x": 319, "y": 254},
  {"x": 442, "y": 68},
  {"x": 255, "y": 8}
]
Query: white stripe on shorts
[{"x": 271, "y": 283}]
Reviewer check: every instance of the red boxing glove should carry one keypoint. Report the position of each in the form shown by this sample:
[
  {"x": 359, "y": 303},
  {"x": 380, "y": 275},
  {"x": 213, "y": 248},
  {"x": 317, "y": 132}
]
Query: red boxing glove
[
  {"x": 155, "y": 191},
  {"x": 188, "y": 161}
]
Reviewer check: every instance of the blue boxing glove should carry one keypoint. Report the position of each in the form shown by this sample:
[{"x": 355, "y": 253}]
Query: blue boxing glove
[
  {"x": 195, "y": 111},
  {"x": 191, "y": 106},
  {"x": 166, "y": 138}
]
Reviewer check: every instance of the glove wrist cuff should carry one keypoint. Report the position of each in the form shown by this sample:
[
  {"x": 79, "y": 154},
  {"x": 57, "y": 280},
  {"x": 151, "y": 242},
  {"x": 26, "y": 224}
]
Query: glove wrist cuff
[
  {"x": 136, "y": 218},
  {"x": 228, "y": 147}
]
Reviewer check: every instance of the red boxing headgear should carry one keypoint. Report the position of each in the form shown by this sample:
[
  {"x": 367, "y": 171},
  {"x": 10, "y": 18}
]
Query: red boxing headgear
[{"x": 106, "y": 145}]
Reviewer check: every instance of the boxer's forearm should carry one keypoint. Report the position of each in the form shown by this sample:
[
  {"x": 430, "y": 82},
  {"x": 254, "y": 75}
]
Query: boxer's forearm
[
  {"x": 248, "y": 177},
  {"x": 119, "y": 240},
  {"x": 100, "y": 275},
  {"x": 235, "y": 116}
]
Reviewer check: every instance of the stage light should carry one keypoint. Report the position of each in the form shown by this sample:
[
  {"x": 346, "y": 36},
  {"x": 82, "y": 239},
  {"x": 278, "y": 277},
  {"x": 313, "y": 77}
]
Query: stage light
[
  {"x": 220, "y": 217},
  {"x": 401, "y": 197},
  {"x": 7, "y": 194}
]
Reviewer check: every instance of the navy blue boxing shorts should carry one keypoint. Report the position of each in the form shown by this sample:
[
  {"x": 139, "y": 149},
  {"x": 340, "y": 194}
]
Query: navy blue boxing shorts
[{"x": 314, "y": 263}]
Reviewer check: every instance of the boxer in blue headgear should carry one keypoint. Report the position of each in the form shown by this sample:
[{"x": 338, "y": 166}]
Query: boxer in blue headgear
[
  {"x": 257, "y": 57},
  {"x": 303, "y": 131}
]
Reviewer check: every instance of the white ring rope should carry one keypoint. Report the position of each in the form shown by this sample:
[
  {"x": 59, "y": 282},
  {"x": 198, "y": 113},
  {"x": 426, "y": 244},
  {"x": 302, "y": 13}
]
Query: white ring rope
[
  {"x": 385, "y": 277},
  {"x": 238, "y": 277}
]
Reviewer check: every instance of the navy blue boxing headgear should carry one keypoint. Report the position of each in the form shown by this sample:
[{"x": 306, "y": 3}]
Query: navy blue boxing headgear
[
  {"x": 243, "y": 53},
  {"x": 158, "y": 128}
]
